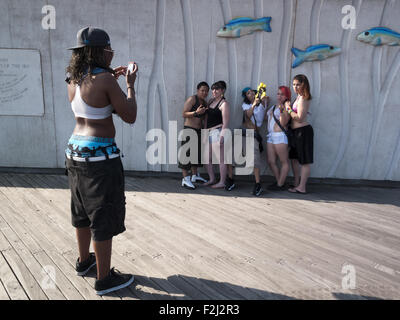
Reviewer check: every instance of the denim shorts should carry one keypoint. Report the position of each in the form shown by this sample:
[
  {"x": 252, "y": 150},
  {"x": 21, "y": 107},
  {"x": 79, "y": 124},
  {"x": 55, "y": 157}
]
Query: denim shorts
[
  {"x": 97, "y": 196},
  {"x": 277, "y": 138}
]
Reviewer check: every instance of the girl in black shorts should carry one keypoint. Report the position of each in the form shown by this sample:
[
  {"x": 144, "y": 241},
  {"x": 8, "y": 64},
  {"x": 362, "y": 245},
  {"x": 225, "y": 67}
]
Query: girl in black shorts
[{"x": 302, "y": 148}]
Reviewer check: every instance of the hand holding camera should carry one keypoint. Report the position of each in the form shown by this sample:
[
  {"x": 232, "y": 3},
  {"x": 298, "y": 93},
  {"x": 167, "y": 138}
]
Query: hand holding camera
[{"x": 131, "y": 71}]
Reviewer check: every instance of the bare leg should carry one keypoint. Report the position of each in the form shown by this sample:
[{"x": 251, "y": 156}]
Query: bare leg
[
  {"x": 230, "y": 171},
  {"x": 272, "y": 160},
  {"x": 209, "y": 167},
  {"x": 257, "y": 174},
  {"x": 283, "y": 154},
  {"x": 194, "y": 171},
  {"x": 83, "y": 235},
  {"x": 222, "y": 170},
  {"x": 103, "y": 257},
  {"x": 296, "y": 171},
  {"x": 185, "y": 173},
  {"x": 305, "y": 173}
]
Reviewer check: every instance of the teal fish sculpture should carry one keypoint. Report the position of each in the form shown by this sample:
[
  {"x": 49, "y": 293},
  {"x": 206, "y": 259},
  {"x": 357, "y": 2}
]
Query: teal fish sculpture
[
  {"x": 317, "y": 52},
  {"x": 379, "y": 36},
  {"x": 242, "y": 26}
]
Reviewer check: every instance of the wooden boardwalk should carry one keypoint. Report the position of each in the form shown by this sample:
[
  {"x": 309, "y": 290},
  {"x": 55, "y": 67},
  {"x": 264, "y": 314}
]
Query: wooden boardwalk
[{"x": 206, "y": 244}]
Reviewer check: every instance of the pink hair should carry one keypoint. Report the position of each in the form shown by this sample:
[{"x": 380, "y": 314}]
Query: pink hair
[{"x": 286, "y": 91}]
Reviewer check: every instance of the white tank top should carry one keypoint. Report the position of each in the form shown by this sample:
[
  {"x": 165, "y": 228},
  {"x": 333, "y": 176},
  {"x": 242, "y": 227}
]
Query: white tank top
[
  {"x": 82, "y": 110},
  {"x": 271, "y": 119}
]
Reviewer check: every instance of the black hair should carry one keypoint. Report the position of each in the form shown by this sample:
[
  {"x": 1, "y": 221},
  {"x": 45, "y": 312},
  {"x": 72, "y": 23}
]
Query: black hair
[
  {"x": 85, "y": 60},
  {"x": 219, "y": 85},
  {"x": 245, "y": 99},
  {"x": 203, "y": 84}
]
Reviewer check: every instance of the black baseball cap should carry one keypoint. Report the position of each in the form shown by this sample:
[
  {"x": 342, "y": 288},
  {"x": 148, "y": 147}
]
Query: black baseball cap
[{"x": 91, "y": 37}]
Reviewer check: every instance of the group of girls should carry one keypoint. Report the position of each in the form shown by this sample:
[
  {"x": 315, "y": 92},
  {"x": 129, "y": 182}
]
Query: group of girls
[{"x": 289, "y": 135}]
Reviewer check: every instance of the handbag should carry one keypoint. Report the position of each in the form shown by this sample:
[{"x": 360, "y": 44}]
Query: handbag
[
  {"x": 258, "y": 136},
  {"x": 289, "y": 132}
]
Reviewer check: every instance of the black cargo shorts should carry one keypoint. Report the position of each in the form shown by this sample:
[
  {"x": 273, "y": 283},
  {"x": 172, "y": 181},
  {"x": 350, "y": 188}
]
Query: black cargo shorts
[{"x": 97, "y": 196}]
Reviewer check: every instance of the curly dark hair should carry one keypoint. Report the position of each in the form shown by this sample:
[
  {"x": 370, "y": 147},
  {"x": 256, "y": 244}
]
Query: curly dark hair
[{"x": 85, "y": 60}]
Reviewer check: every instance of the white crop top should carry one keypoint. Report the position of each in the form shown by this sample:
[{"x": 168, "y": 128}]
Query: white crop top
[{"x": 82, "y": 110}]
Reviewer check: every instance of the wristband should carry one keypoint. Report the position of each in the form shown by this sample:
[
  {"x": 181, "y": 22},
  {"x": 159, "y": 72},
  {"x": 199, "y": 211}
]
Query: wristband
[{"x": 195, "y": 114}]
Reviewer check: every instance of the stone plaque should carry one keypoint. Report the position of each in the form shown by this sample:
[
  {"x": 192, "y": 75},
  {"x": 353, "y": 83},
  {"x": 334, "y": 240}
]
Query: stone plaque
[{"x": 21, "y": 86}]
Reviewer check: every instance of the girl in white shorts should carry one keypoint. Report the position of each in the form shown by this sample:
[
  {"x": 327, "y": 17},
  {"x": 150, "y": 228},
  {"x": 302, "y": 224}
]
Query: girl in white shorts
[{"x": 277, "y": 142}]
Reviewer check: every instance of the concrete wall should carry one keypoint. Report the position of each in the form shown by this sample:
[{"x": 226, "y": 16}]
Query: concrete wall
[{"x": 355, "y": 109}]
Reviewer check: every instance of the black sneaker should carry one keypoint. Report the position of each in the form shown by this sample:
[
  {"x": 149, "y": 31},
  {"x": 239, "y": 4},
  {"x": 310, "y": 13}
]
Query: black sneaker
[
  {"x": 83, "y": 268},
  {"x": 229, "y": 184},
  {"x": 257, "y": 189},
  {"x": 113, "y": 282}
]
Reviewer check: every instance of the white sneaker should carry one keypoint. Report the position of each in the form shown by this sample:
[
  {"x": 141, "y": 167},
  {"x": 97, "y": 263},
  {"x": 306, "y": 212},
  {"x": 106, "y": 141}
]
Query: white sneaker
[
  {"x": 198, "y": 178},
  {"x": 187, "y": 183}
]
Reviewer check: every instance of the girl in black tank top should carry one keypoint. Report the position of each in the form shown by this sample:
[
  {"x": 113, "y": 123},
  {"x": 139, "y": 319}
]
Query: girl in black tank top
[{"x": 214, "y": 116}]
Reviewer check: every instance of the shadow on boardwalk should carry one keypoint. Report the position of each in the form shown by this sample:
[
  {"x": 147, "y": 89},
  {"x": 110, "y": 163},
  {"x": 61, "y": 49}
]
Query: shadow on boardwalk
[
  {"x": 319, "y": 193},
  {"x": 191, "y": 288}
]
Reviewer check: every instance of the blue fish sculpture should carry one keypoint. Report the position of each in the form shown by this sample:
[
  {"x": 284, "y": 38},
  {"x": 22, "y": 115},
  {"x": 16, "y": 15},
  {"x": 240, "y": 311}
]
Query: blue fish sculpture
[
  {"x": 317, "y": 52},
  {"x": 380, "y": 36},
  {"x": 241, "y": 26}
]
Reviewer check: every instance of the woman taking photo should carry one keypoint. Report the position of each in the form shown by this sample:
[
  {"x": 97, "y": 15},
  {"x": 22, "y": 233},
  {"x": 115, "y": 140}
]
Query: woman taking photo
[
  {"x": 254, "y": 115},
  {"x": 277, "y": 142},
  {"x": 303, "y": 134},
  {"x": 95, "y": 172},
  {"x": 216, "y": 122}
]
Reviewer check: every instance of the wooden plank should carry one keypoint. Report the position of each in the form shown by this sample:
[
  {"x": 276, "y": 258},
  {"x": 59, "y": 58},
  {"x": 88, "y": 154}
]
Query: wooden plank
[
  {"x": 45, "y": 282},
  {"x": 35, "y": 233},
  {"x": 4, "y": 244},
  {"x": 10, "y": 281},
  {"x": 284, "y": 245},
  {"x": 61, "y": 281},
  {"x": 30, "y": 211},
  {"x": 175, "y": 267},
  {"x": 3, "y": 292},
  {"x": 24, "y": 276},
  {"x": 189, "y": 226}
]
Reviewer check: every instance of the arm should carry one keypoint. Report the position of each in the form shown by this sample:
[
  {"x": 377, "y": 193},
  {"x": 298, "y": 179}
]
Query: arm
[
  {"x": 125, "y": 106},
  {"x": 302, "y": 109},
  {"x": 225, "y": 119},
  {"x": 284, "y": 116},
  {"x": 188, "y": 106},
  {"x": 225, "y": 115},
  {"x": 249, "y": 112}
]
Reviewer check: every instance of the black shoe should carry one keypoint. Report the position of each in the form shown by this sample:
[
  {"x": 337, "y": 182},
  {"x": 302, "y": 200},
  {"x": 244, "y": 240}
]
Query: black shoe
[
  {"x": 229, "y": 184},
  {"x": 83, "y": 268},
  {"x": 257, "y": 190},
  {"x": 113, "y": 282}
]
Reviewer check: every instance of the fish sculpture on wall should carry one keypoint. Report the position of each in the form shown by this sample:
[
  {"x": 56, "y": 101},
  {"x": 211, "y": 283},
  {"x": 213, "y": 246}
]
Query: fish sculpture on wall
[
  {"x": 241, "y": 26},
  {"x": 380, "y": 36},
  {"x": 317, "y": 52}
]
